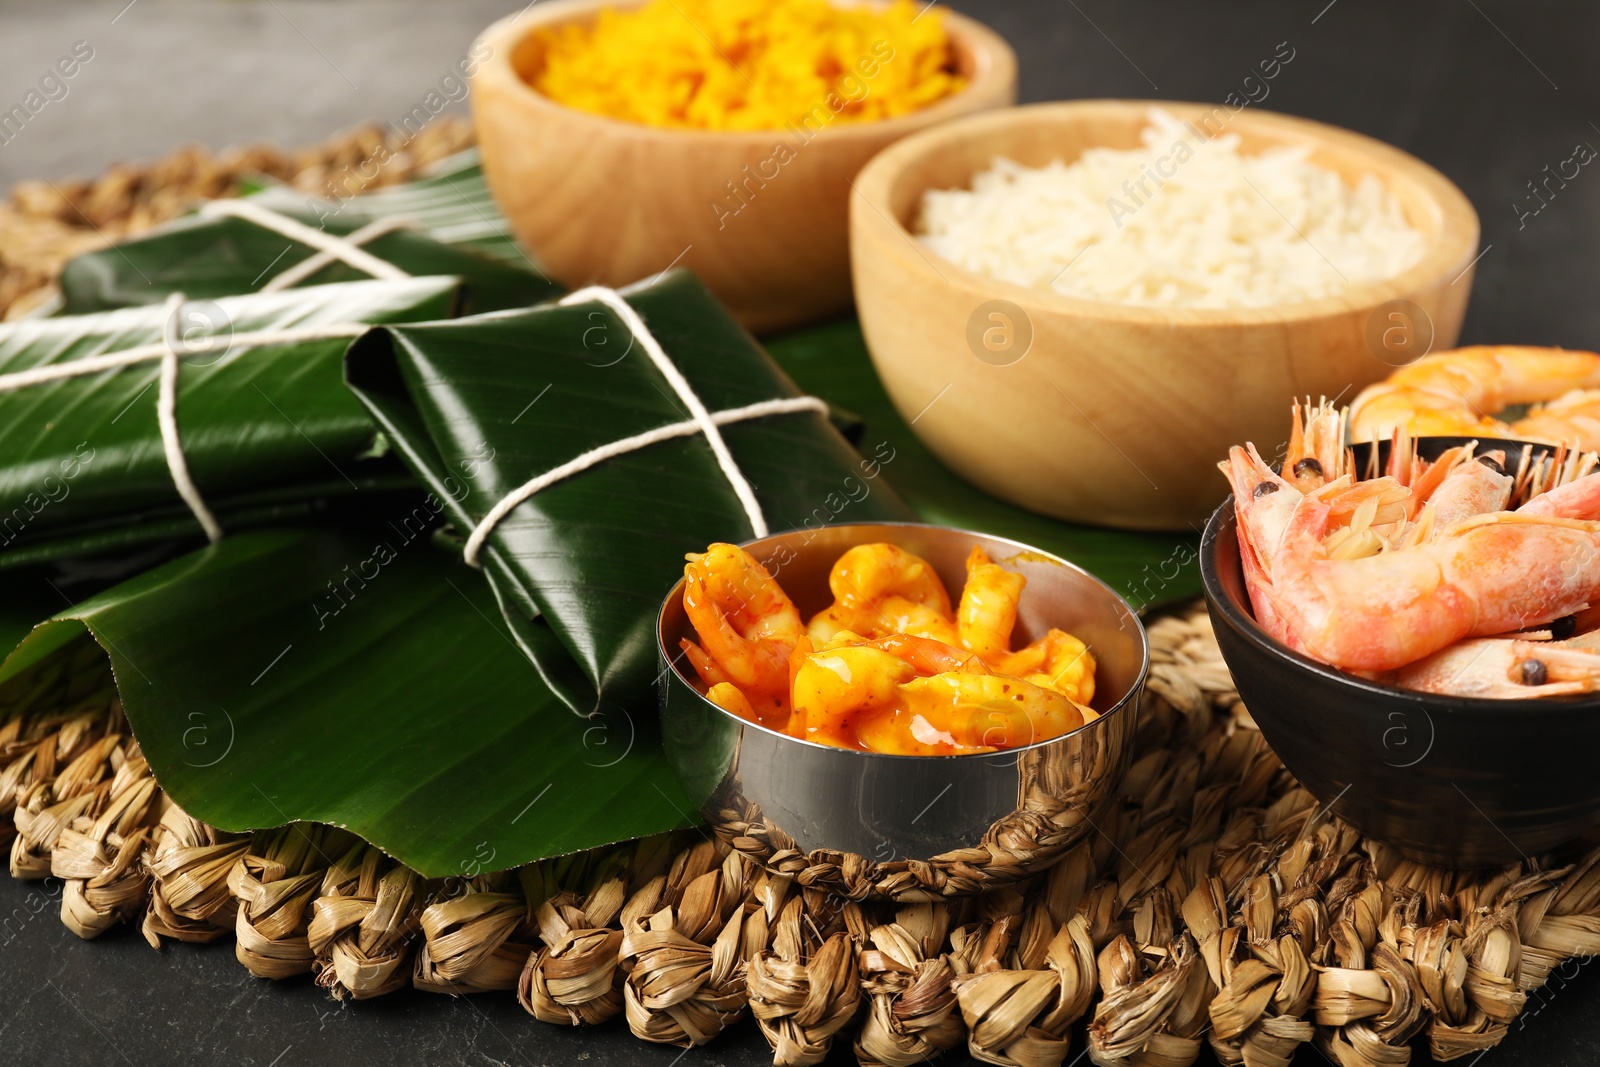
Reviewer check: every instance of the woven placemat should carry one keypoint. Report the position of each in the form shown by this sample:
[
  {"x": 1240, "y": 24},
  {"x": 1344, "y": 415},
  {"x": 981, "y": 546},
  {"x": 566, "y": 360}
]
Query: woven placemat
[{"x": 1217, "y": 903}]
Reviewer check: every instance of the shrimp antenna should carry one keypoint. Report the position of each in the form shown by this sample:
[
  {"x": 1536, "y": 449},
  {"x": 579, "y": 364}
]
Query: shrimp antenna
[{"x": 1522, "y": 489}]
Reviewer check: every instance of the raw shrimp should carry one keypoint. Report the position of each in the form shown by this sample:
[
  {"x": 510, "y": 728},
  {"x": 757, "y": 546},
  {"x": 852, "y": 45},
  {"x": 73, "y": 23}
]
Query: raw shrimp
[
  {"x": 1503, "y": 667},
  {"x": 1492, "y": 574},
  {"x": 1458, "y": 393},
  {"x": 988, "y": 609},
  {"x": 747, "y": 624}
]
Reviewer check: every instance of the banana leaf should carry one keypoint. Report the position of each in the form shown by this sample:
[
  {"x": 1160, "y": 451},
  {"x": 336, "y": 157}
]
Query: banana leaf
[
  {"x": 362, "y": 678},
  {"x": 478, "y": 406},
  {"x": 268, "y": 432},
  {"x": 207, "y": 257},
  {"x": 452, "y": 203},
  {"x": 1149, "y": 569}
]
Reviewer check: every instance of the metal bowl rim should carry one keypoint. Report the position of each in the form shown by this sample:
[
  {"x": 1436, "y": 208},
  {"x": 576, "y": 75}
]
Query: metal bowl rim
[
  {"x": 676, "y": 593},
  {"x": 1244, "y": 622}
]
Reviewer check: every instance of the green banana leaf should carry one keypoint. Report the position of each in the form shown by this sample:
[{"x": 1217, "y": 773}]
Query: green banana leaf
[
  {"x": 479, "y": 406},
  {"x": 362, "y": 678},
  {"x": 450, "y": 203},
  {"x": 1149, "y": 569},
  {"x": 453, "y": 204},
  {"x": 268, "y": 432},
  {"x": 210, "y": 257}
]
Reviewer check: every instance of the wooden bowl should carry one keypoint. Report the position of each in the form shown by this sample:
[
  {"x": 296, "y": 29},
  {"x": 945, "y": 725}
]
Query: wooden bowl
[
  {"x": 598, "y": 200},
  {"x": 1116, "y": 415}
]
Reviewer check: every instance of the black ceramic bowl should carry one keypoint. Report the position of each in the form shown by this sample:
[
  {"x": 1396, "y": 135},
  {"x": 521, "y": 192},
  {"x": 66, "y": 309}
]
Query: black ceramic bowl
[{"x": 1455, "y": 781}]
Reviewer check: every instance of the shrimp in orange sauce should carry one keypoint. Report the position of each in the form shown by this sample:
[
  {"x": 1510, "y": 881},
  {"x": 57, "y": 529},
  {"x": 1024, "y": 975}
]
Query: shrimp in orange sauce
[{"x": 889, "y": 666}]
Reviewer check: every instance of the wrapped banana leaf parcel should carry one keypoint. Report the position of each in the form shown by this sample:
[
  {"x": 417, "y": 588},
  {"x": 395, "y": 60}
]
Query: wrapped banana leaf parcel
[
  {"x": 261, "y": 427},
  {"x": 277, "y": 240},
  {"x": 499, "y": 413},
  {"x": 351, "y": 665}
]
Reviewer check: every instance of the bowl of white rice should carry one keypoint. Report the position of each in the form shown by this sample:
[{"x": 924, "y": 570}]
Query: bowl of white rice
[{"x": 1080, "y": 306}]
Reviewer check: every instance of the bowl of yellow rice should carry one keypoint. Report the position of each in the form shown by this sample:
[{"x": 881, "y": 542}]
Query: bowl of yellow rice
[{"x": 721, "y": 135}]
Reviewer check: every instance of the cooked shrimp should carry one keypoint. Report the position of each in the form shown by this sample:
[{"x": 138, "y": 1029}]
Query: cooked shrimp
[
  {"x": 1492, "y": 574},
  {"x": 1315, "y": 454},
  {"x": 1575, "y": 500},
  {"x": 1458, "y": 393},
  {"x": 882, "y": 589},
  {"x": 892, "y": 614},
  {"x": 1471, "y": 488},
  {"x": 1056, "y": 661},
  {"x": 1573, "y": 418},
  {"x": 988, "y": 609},
  {"x": 870, "y": 573},
  {"x": 929, "y": 656},
  {"x": 888, "y": 667},
  {"x": 1263, "y": 500},
  {"x": 1503, "y": 667},
  {"x": 730, "y": 698},
  {"x": 703, "y": 664},
  {"x": 832, "y": 684},
  {"x": 950, "y": 714},
  {"x": 747, "y": 624}
]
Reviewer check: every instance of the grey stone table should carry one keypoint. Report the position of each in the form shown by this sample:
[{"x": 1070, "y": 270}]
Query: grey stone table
[{"x": 1489, "y": 91}]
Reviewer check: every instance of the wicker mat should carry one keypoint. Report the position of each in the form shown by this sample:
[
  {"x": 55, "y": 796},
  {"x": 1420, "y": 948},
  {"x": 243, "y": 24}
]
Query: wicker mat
[{"x": 1218, "y": 904}]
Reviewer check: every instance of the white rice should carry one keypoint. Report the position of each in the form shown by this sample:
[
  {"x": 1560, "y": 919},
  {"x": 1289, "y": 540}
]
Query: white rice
[{"x": 1223, "y": 230}]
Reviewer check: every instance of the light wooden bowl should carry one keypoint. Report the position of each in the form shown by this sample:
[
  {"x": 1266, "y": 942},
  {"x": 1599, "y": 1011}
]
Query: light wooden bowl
[
  {"x": 1117, "y": 415},
  {"x": 598, "y": 200}
]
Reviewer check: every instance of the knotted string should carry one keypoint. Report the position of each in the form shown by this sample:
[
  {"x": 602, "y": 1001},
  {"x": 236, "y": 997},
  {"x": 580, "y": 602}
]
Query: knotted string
[
  {"x": 344, "y": 249},
  {"x": 172, "y": 347},
  {"x": 702, "y": 422}
]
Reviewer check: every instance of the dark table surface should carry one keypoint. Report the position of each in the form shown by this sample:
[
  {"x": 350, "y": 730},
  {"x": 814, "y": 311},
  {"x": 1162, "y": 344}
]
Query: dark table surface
[{"x": 1489, "y": 91}]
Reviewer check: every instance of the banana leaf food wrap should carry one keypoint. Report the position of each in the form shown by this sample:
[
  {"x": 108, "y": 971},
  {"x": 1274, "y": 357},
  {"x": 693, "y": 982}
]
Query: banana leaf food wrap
[
  {"x": 207, "y": 255},
  {"x": 267, "y": 431},
  {"x": 479, "y": 406},
  {"x": 354, "y": 670}
]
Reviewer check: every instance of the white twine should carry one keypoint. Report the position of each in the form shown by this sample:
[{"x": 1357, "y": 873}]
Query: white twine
[
  {"x": 307, "y": 267},
  {"x": 170, "y": 350},
  {"x": 702, "y": 422},
  {"x": 341, "y": 248},
  {"x": 680, "y": 385},
  {"x": 167, "y": 417},
  {"x": 786, "y": 406},
  {"x": 127, "y": 357},
  {"x": 172, "y": 347}
]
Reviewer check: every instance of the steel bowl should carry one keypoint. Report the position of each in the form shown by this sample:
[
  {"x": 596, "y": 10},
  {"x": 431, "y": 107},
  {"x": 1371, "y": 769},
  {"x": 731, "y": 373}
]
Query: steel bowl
[
  {"x": 1452, "y": 781},
  {"x": 909, "y": 827}
]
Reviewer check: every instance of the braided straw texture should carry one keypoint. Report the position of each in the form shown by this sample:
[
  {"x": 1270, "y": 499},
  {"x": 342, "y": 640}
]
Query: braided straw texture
[{"x": 1217, "y": 905}]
